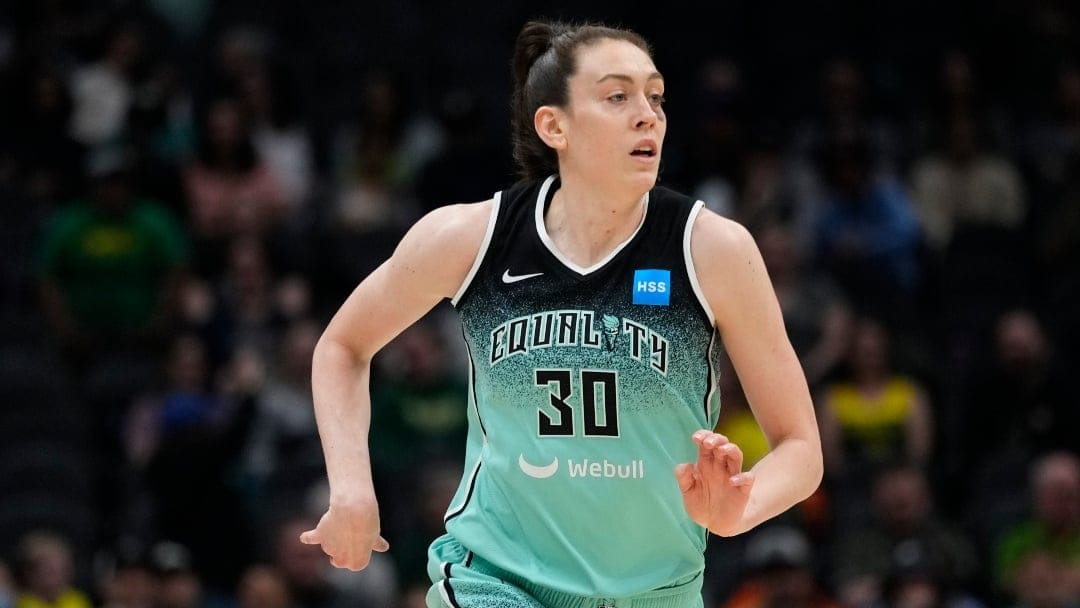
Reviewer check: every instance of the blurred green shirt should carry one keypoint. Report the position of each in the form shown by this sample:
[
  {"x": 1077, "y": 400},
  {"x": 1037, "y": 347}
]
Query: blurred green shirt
[{"x": 111, "y": 268}]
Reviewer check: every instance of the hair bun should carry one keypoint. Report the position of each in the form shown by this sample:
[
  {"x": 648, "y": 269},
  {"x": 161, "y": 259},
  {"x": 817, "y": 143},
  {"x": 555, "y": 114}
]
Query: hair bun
[{"x": 533, "y": 41}]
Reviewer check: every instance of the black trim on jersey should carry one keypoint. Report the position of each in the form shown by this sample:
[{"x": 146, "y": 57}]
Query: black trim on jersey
[
  {"x": 468, "y": 495},
  {"x": 711, "y": 377},
  {"x": 472, "y": 383},
  {"x": 468, "y": 559},
  {"x": 449, "y": 590}
]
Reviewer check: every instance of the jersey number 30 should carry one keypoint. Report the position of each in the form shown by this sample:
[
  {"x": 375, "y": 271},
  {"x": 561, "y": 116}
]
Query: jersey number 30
[{"x": 559, "y": 421}]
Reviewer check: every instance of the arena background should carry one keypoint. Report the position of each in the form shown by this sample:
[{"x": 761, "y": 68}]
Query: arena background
[{"x": 188, "y": 190}]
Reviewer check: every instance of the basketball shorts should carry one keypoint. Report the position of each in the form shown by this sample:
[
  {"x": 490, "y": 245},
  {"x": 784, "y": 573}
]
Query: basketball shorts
[{"x": 464, "y": 580}]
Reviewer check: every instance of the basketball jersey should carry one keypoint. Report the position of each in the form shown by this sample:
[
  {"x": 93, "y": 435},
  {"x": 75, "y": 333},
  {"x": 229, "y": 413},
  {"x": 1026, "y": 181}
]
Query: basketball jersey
[{"x": 586, "y": 385}]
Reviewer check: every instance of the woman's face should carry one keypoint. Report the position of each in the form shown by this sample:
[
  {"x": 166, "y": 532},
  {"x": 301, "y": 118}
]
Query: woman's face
[{"x": 614, "y": 123}]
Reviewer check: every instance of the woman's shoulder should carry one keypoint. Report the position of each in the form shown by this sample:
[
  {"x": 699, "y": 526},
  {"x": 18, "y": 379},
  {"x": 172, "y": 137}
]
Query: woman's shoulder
[
  {"x": 717, "y": 236},
  {"x": 456, "y": 224}
]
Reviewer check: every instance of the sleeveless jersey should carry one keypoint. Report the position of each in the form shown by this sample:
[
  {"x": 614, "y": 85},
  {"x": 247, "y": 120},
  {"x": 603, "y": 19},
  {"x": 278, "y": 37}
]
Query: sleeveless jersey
[{"x": 585, "y": 387}]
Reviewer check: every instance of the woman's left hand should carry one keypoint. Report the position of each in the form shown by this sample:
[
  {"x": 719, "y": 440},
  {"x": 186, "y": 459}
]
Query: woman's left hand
[{"x": 715, "y": 489}]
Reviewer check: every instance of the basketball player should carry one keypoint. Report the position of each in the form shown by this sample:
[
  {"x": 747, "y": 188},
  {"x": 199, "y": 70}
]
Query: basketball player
[{"x": 593, "y": 305}]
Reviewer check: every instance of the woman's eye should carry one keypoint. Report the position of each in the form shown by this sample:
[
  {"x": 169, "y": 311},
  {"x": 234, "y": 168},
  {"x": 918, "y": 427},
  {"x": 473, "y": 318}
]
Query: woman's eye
[
  {"x": 657, "y": 99},
  {"x": 617, "y": 97}
]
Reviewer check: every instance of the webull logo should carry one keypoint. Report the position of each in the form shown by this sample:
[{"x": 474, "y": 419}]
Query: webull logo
[{"x": 585, "y": 469}]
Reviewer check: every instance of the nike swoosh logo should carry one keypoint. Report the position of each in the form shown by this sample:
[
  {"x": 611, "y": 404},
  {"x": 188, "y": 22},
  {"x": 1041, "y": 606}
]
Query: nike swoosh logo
[
  {"x": 509, "y": 278},
  {"x": 538, "y": 472}
]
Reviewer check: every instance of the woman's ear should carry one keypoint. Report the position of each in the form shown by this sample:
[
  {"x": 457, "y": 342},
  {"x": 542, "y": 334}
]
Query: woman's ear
[{"x": 549, "y": 124}]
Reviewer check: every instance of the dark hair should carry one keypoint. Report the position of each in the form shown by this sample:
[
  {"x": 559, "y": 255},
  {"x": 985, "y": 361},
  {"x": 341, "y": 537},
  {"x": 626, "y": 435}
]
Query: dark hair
[
  {"x": 245, "y": 155},
  {"x": 544, "y": 61}
]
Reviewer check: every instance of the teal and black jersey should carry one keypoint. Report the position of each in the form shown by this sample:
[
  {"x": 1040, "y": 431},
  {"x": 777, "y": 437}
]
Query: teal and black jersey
[{"x": 586, "y": 385}]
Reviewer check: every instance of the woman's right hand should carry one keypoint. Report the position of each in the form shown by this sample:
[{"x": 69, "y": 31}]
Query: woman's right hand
[{"x": 348, "y": 534}]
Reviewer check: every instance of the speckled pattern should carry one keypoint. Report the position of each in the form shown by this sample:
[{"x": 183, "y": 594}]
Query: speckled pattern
[{"x": 575, "y": 502}]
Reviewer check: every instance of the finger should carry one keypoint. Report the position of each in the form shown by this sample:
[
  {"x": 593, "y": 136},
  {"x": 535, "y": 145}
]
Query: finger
[
  {"x": 705, "y": 453},
  {"x": 732, "y": 458},
  {"x": 706, "y": 466},
  {"x": 348, "y": 562},
  {"x": 684, "y": 474},
  {"x": 711, "y": 457},
  {"x": 381, "y": 545},
  {"x": 743, "y": 479},
  {"x": 311, "y": 537},
  {"x": 708, "y": 438},
  {"x": 743, "y": 482}
]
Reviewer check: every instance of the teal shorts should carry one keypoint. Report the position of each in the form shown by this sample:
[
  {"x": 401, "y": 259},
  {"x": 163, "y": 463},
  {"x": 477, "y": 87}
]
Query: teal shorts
[{"x": 465, "y": 580}]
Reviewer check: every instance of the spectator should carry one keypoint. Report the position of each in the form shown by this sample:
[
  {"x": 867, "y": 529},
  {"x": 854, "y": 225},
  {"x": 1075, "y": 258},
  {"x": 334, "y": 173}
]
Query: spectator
[
  {"x": 184, "y": 401},
  {"x": 110, "y": 265},
  {"x": 960, "y": 93},
  {"x": 781, "y": 573},
  {"x": 103, "y": 91},
  {"x": 230, "y": 190},
  {"x": 371, "y": 189},
  {"x": 419, "y": 400},
  {"x": 179, "y": 582},
  {"x": 1042, "y": 581},
  {"x": 242, "y": 50},
  {"x": 190, "y": 437},
  {"x": 127, "y": 580},
  {"x": 964, "y": 187},
  {"x": 915, "y": 581},
  {"x": 279, "y": 136},
  {"x": 845, "y": 104},
  {"x": 385, "y": 141},
  {"x": 46, "y": 573},
  {"x": 263, "y": 586},
  {"x": 972, "y": 206},
  {"x": 868, "y": 235},
  {"x": 249, "y": 305},
  {"x": 372, "y": 193},
  {"x": 874, "y": 415},
  {"x": 1052, "y": 532},
  {"x": 1018, "y": 404},
  {"x": 905, "y": 540}
]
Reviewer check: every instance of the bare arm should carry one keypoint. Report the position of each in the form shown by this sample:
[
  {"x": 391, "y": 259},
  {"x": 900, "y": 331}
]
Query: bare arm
[
  {"x": 430, "y": 264},
  {"x": 737, "y": 288}
]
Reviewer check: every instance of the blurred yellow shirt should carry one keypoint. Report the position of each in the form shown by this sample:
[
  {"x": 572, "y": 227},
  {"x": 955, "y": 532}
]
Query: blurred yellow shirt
[
  {"x": 68, "y": 599},
  {"x": 742, "y": 429}
]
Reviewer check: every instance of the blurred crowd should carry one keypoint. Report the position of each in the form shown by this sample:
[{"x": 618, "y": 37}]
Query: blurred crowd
[{"x": 186, "y": 196}]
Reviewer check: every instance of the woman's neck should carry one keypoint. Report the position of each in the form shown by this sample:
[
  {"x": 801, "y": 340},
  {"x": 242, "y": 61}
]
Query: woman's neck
[{"x": 586, "y": 222}]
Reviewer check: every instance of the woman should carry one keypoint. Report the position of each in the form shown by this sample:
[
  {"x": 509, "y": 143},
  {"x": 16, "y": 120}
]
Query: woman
[
  {"x": 230, "y": 191},
  {"x": 591, "y": 475},
  {"x": 876, "y": 416}
]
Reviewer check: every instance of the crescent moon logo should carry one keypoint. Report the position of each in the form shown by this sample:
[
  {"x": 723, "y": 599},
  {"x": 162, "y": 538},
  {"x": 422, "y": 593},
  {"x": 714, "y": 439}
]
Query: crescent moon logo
[{"x": 538, "y": 472}]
